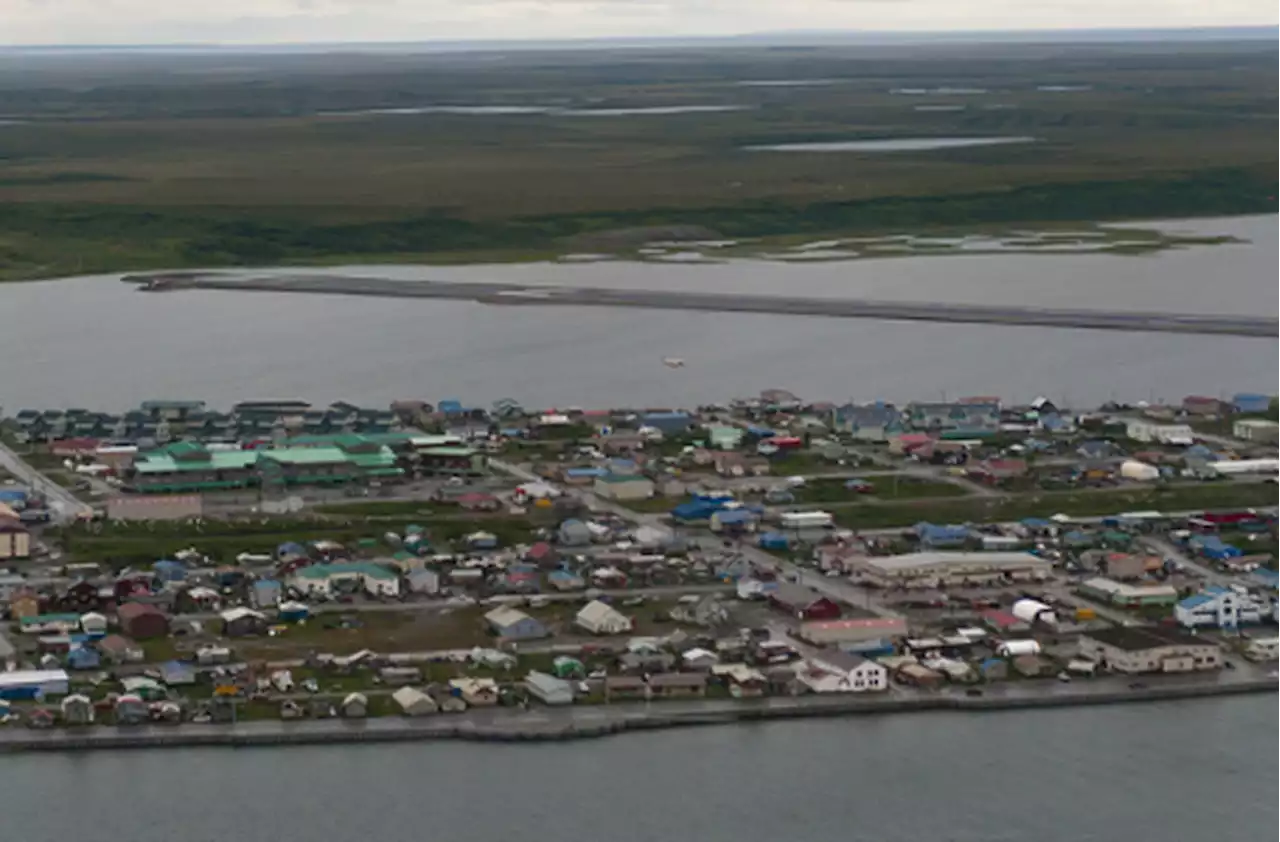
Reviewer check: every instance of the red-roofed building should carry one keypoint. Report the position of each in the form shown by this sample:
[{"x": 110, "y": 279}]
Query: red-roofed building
[
  {"x": 74, "y": 447},
  {"x": 542, "y": 554},
  {"x": 1003, "y": 621},
  {"x": 852, "y": 631},
  {"x": 141, "y": 621}
]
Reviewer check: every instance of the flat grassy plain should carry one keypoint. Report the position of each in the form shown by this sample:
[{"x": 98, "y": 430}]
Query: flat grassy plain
[{"x": 112, "y": 162}]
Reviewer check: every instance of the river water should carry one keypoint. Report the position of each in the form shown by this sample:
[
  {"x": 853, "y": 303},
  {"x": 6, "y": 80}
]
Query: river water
[
  {"x": 1161, "y": 771},
  {"x": 97, "y": 343}
]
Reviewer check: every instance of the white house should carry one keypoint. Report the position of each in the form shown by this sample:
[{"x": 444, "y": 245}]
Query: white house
[
  {"x": 599, "y": 617},
  {"x": 1141, "y": 429},
  {"x": 841, "y": 672},
  {"x": 413, "y": 702},
  {"x": 1219, "y": 607},
  {"x": 331, "y": 579}
]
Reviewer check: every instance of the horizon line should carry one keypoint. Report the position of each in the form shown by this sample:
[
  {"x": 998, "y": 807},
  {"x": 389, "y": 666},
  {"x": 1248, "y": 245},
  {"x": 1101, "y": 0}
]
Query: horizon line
[{"x": 1257, "y": 30}]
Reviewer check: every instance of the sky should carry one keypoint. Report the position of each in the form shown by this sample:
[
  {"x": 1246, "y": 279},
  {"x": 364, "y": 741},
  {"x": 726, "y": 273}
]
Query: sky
[{"x": 302, "y": 21}]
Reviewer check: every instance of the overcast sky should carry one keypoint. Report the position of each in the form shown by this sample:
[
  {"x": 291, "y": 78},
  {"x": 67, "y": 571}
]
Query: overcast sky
[{"x": 276, "y": 21}]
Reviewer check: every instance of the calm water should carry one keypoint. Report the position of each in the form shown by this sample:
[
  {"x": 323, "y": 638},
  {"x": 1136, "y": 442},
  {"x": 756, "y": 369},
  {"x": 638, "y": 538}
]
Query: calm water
[
  {"x": 900, "y": 144},
  {"x": 1179, "y": 771},
  {"x": 96, "y": 342}
]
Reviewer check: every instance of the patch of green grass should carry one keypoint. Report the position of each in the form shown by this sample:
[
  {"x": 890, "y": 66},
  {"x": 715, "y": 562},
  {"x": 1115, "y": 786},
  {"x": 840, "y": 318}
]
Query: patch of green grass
[
  {"x": 885, "y": 488},
  {"x": 1080, "y": 503}
]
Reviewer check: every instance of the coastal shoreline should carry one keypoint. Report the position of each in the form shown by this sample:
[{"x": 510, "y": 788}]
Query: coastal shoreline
[{"x": 608, "y": 721}]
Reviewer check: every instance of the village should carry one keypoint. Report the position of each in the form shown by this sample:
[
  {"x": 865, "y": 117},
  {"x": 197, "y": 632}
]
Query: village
[{"x": 281, "y": 561}]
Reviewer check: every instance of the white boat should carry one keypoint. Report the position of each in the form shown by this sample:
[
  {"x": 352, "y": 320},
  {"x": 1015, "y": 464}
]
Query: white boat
[{"x": 673, "y": 362}]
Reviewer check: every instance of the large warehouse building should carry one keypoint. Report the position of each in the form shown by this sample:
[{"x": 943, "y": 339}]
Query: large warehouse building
[{"x": 934, "y": 569}]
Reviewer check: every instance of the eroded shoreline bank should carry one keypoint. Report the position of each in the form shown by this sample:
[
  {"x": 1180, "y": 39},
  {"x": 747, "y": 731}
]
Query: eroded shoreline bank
[{"x": 559, "y": 724}]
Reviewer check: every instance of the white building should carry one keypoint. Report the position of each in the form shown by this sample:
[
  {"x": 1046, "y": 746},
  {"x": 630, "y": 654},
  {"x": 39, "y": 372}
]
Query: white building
[
  {"x": 548, "y": 689},
  {"x": 329, "y": 580},
  {"x": 599, "y": 617},
  {"x": 1219, "y": 607},
  {"x": 1138, "y": 650},
  {"x": 841, "y": 672},
  {"x": 931, "y": 569},
  {"x": 623, "y": 488},
  {"x": 1141, "y": 429},
  {"x": 414, "y": 702},
  {"x": 35, "y": 683},
  {"x": 1256, "y": 429}
]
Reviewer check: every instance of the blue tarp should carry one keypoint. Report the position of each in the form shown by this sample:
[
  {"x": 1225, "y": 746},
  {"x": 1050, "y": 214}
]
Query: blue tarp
[
  {"x": 774, "y": 541},
  {"x": 695, "y": 510}
]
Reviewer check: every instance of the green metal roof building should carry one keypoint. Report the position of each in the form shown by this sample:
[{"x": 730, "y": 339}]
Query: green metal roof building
[{"x": 187, "y": 466}]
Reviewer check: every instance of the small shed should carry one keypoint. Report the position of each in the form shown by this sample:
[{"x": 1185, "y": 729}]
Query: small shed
[
  {"x": 142, "y": 621},
  {"x": 355, "y": 706},
  {"x": 93, "y": 624},
  {"x": 548, "y": 689},
  {"x": 513, "y": 624},
  {"x": 598, "y": 617},
  {"x": 414, "y": 702},
  {"x": 241, "y": 622},
  {"x": 77, "y": 710}
]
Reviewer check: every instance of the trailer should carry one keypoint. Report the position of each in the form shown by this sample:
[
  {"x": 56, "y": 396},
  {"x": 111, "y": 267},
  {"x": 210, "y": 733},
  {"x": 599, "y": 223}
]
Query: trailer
[{"x": 806, "y": 520}]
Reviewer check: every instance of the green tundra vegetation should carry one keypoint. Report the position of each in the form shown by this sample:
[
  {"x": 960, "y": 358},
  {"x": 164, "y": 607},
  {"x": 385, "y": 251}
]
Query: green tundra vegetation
[{"x": 112, "y": 162}]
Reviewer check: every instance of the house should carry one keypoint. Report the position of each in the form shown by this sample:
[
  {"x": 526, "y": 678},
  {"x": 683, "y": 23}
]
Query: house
[
  {"x": 265, "y": 593},
  {"x": 932, "y": 536},
  {"x": 1031, "y": 666},
  {"x": 1003, "y": 622},
  {"x": 699, "y": 659},
  {"x": 802, "y": 603},
  {"x": 1144, "y": 430},
  {"x": 574, "y": 533},
  {"x": 1149, "y": 649},
  {"x": 548, "y": 689},
  {"x": 677, "y": 685},
  {"x": 1201, "y": 406},
  {"x": 120, "y": 650},
  {"x": 241, "y": 622},
  {"x": 1256, "y": 430},
  {"x": 842, "y": 672},
  {"x": 744, "y": 682},
  {"x": 618, "y": 688},
  {"x": 476, "y": 692},
  {"x": 624, "y": 487},
  {"x": 512, "y": 624},
  {"x": 77, "y": 710},
  {"x": 565, "y": 580},
  {"x": 83, "y": 658},
  {"x": 969, "y": 419},
  {"x": 999, "y": 470},
  {"x": 93, "y": 624},
  {"x": 667, "y": 423},
  {"x": 354, "y": 706},
  {"x": 1221, "y": 607},
  {"x": 330, "y": 580},
  {"x": 445, "y": 698},
  {"x": 177, "y": 674},
  {"x": 542, "y": 554},
  {"x": 1250, "y": 402},
  {"x": 33, "y": 684},
  {"x": 1127, "y": 595},
  {"x": 142, "y": 621},
  {"x": 424, "y": 580},
  {"x": 131, "y": 710},
  {"x": 994, "y": 669},
  {"x": 598, "y": 617},
  {"x": 413, "y": 702},
  {"x": 15, "y": 540},
  {"x": 870, "y": 422}
]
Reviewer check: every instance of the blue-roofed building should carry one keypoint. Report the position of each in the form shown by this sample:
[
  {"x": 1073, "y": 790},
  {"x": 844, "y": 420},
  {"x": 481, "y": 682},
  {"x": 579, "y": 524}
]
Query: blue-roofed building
[
  {"x": 1220, "y": 607},
  {"x": 265, "y": 593},
  {"x": 167, "y": 570},
  {"x": 83, "y": 658},
  {"x": 1251, "y": 402},
  {"x": 935, "y": 535},
  {"x": 695, "y": 510},
  {"x": 1213, "y": 547},
  {"x": 774, "y": 541},
  {"x": 869, "y": 422},
  {"x": 668, "y": 423},
  {"x": 756, "y": 431},
  {"x": 734, "y": 520},
  {"x": 588, "y": 473},
  {"x": 969, "y": 419},
  {"x": 450, "y": 407}
]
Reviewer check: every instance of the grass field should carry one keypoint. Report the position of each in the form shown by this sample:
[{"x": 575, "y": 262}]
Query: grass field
[
  {"x": 1079, "y": 503},
  {"x": 133, "y": 162}
]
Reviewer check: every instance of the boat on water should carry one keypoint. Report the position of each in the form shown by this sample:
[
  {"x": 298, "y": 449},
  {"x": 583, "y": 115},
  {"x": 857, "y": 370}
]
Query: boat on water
[{"x": 673, "y": 362}]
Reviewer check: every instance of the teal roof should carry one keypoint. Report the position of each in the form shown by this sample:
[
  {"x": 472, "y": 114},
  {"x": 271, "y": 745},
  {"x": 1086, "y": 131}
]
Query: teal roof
[
  {"x": 305, "y": 455},
  {"x": 449, "y": 451},
  {"x": 324, "y": 571},
  {"x": 219, "y": 460}
]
